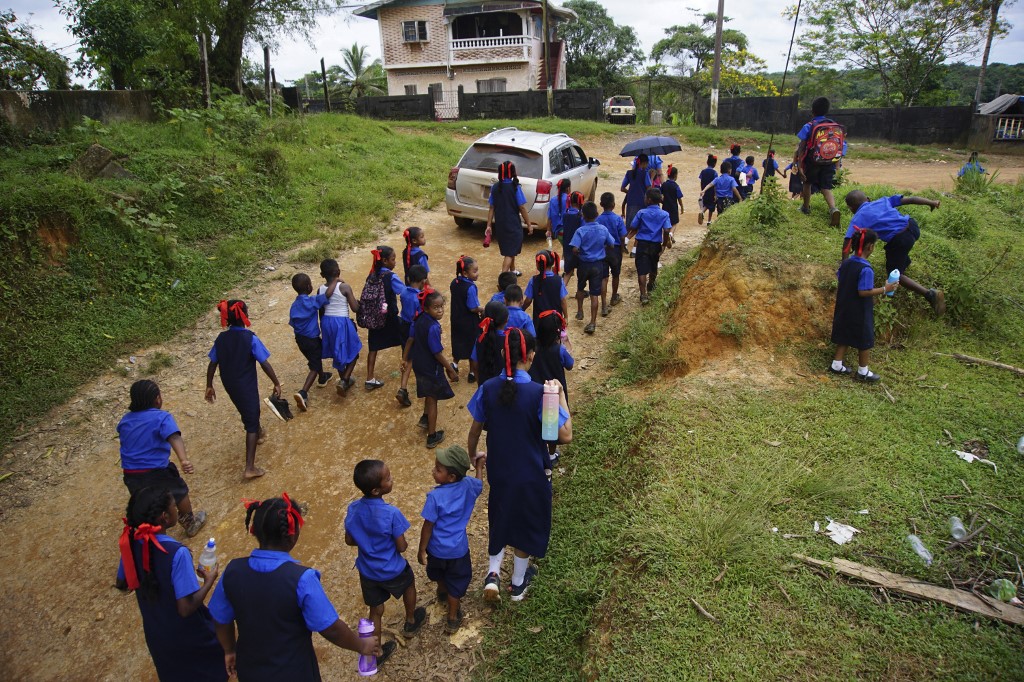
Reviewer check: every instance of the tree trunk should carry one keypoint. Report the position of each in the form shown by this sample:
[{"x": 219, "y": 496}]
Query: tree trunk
[
  {"x": 993, "y": 22},
  {"x": 226, "y": 57}
]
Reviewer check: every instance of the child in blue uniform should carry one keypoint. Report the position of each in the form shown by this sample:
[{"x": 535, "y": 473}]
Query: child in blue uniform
[
  {"x": 277, "y": 604},
  {"x": 519, "y": 501},
  {"x": 390, "y": 335},
  {"x": 726, "y": 189},
  {"x": 899, "y": 232},
  {"x": 237, "y": 351},
  {"x": 507, "y": 214},
  {"x": 546, "y": 290},
  {"x": 571, "y": 222},
  {"x": 487, "y": 351},
  {"x": 735, "y": 162},
  {"x": 444, "y": 545},
  {"x": 426, "y": 356},
  {"x": 551, "y": 361},
  {"x": 672, "y": 198},
  {"x": 505, "y": 280},
  {"x": 853, "y": 322},
  {"x": 752, "y": 177},
  {"x": 591, "y": 244},
  {"x": 558, "y": 207},
  {"x": 770, "y": 167},
  {"x": 707, "y": 194},
  {"x": 413, "y": 254},
  {"x": 517, "y": 317},
  {"x": 465, "y": 314},
  {"x": 304, "y": 318},
  {"x": 178, "y": 626},
  {"x": 972, "y": 166},
  {"x": 616, "y": 227},
  {"x": 635, "y": 184},
  {"x": 650, "y": 227},
  {"x": 148, "y": 434},
  {"x": 378, "y": 530},
  {"x": 341, "y": 340},
  {"x": 410, "y": 297}
]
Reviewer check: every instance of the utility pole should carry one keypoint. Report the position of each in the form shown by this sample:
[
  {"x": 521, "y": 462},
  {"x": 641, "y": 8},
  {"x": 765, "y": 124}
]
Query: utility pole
[
  {"x": 205, "y": 64},
  {"x": 716, "y": 73},
  {"x": 547, "y": 62},
  {"x": 993, "y": 23},
  {"x": 327, "y": 97},
  {"x": 266, "y": 80}
]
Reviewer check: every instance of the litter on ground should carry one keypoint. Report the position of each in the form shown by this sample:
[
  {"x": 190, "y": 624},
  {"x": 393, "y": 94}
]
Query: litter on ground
[
  {"x": 970, "y": 458},
  {"x": 840, "y": 532}
]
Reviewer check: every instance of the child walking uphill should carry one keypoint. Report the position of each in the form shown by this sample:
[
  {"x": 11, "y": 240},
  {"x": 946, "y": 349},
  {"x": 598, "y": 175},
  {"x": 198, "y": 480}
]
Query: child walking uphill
[
  {"x": 410, "y": 298},
  {"x": 820, "y": 135},
  {"x": 591, "y": 244},
  {"x": 546, "y": 290},
  {"x": 237, "y": 351},
  {"x": 853, "y": 322},
  {"x": 650, "y": 227},
  {"x": 752, "y": 177},
  {"x": 341, "y": 340},
  {"x": 413, "y": 254},
  {"x": 304, "y": 318},
  {"x": 277, "y": 604},
  {"x": 444, "y": 545},
  {"x": 726, "y": 189},
  {"x": 178, "y": 627},
  {"x": 378, "y": 530},
  {"x": 507, "y": 214},
  {"x": 465, "y": 314},
  {"x": 148, "y": 434},
  {"x": 707, "y": 193},
  {"x": 571, "y": 222},
  {"x": 672, "y": 198},
  {"x": 389, "y": 334},
  {"x": 551, "y": 361},
  {"x": 616, "y": 227},
  {"x": 899, "y": 232},
  {"x": 426, "y": 356}
]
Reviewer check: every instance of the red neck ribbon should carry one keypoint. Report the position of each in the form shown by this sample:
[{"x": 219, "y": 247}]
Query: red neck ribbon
[
  {"x": 147, "y": 534},
  {"x": 408, "y": 248}
]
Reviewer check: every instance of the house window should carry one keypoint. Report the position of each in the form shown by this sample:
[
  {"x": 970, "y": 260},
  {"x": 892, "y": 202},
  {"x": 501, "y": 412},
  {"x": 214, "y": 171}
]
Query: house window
[
  {"x": 435, "y": 90},
  {"x": 410, "y": 89},
  {"x": 489, "y": 25},
  {"x": 414, "y": 31},
  {"x": 491, "y": 85}
]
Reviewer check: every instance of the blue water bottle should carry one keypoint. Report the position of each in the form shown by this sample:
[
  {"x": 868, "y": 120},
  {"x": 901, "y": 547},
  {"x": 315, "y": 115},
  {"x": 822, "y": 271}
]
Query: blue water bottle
[{"x": 894, "y": 276}]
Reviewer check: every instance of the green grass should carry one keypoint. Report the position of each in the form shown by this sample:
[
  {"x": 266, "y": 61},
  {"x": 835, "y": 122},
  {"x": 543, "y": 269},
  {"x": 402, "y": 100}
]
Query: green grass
[{"x": 671, "y": 493}]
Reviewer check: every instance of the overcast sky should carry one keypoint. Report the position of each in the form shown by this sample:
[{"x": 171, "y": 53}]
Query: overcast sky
[{"x": 762, "y": 22}]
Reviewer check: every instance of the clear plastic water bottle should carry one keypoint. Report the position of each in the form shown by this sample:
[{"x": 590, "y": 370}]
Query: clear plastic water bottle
[
  {"x": 367, "y": 664},
  {"x": 549, "y": 413},
  {"x": 894, "y": 277},
  {"x": 208, "y": 558},
  {"x": 1020, "y": 446},
  {"x": 920, "y": 549},
  {"x": 956, "y": 528}
]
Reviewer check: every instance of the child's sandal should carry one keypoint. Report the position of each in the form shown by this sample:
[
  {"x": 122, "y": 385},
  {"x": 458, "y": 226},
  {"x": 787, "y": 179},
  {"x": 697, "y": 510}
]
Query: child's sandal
[{"x": 419, "y": 616}]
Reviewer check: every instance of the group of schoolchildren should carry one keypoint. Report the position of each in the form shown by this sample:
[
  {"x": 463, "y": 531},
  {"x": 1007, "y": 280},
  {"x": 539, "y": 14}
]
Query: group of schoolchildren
[{"x": 735, "y": 179}]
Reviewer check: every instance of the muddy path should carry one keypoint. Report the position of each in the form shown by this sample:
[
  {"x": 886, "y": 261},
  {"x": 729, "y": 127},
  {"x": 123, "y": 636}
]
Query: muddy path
[{"x": 61, "y": 510}]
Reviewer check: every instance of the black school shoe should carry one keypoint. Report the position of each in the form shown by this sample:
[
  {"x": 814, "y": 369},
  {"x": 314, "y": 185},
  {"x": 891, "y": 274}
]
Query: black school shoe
[
  {"x": 403, "y": 397},
  {"x": 323, "y": 379},
  {"x": 433, "y": 440},
  {"x": 419, "y": 617},
  {"x": 423, "y": 423},
  {"x": 302, "y": 400},
  {"x": 869, "y": 378},
  {"x": 387, "y": 649},
  {"x": 280, "y": 408}
]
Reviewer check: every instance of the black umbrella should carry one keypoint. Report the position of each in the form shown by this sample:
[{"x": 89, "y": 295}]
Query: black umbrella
[{"x": 655, "y": 144}]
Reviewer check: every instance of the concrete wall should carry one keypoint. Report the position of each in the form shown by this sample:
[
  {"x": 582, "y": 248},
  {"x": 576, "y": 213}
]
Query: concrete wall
[
  {"x": 764, "y": 114},
  {"x": 53, "y": 110},
  {"x": 578, "y": 104}
]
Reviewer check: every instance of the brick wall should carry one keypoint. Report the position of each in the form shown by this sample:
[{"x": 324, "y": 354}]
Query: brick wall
[
  {"x": 396, "y": 52},
  {"x": 488, "y": 54}
]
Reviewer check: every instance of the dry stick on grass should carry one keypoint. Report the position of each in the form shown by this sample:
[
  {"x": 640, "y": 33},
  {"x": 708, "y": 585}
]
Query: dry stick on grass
[
  {"x": 722, "y": 574},
  {"x": 888, "y": 394},
  {"x": 700, "y": 609},
  {"x": 981, "y": 361},
  {"x": 785, "y": 594},
  {"x": 966, "y": 487},
  {"x": 924, "y": 503}
]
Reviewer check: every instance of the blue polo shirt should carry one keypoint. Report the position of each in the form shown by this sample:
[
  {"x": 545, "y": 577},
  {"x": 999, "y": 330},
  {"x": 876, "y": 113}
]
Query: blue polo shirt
[
  {"x": 752, "y": 175},
  {"x": 183, "y": 574},
  {"x": 479, "y": 412},
  {"x": 143, "y": 436},
  {"x": 724, "y": 184},
  {"x": 615, "y": 225},
  {"x": 556, "y": 209},
  {"x": 971, "y": 167},
  {"x": 881, "y": 216},
  {"x": 650, "y": 222},
  {"x": 591, "y": 240},
  {"x": 304, "y": 316},
  {"x": 375, "y": 525},
  {"x": 517, "y": 317},
  {"x": 499, "y": 297},
  {"x": 566, "y": 357},
  {"x": 449, "y": 507},
  {"x": 410, "y": 304},
  {"x": 736, "y": 163},
  {"x": 528, "y": 292},
  {"x": 317, "y": 610},
  {"x": 259, "y": 351}
]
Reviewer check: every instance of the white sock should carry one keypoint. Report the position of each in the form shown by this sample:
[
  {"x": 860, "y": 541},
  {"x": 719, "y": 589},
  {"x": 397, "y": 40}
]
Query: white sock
[
  {"x": 837, "y": 365},
  {"x": 863, "y": 371},
  {"x": 494, "y": 562},
  {"x": 519, "y": 567}
]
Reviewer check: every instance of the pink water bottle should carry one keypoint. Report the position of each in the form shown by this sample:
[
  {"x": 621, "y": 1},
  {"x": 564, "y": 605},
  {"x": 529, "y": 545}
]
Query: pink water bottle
[
  {"x": 549, "y": 413},
  {"x": 367, "y": 664}
]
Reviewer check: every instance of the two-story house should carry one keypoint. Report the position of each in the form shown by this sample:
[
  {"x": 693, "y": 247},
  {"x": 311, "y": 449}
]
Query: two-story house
[{"x": 434, "y": 46}]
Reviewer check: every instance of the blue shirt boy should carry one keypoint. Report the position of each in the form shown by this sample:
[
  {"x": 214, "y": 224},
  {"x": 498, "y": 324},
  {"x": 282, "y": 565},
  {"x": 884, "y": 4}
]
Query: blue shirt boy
[
  {"x": 144, "y": 437},
  {"x": 449, "y": 507},
  {"x": 517, "y": 317},
  {"x": 304, "y": 316},
  {"x": 724, "y": 185},
  {"x": 410, "y": 304},
  {"x": 615, "y": 225},
  {"x": 881, "y": 216},
  {"x": 591, "y": 240},
  {"x": 651, "y": 223},
  {"x": 375, "y": 525}
]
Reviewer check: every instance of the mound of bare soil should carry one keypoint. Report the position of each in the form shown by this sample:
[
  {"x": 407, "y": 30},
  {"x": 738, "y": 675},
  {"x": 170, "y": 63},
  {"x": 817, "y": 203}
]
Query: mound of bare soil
[{"x": 728, "y": 307}]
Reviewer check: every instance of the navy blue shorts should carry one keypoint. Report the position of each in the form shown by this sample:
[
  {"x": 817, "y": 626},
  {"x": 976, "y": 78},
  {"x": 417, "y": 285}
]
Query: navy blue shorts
[
  {"x": 166, "y": 477},
  {"x": 590, "y": 275},
  {"x": 433, "y": 387},
  {"x": 569, "y": 260},
  {"x": 897, "y": 250},
  {"x": 615, "y": 261},
  {"x": 454, "y": 574},
  {"x": 377, "y": 592},
  {"x": 647, "y": 255},
  {"x": 312, "y": 350},
  {"x": 822, "y": 176}
]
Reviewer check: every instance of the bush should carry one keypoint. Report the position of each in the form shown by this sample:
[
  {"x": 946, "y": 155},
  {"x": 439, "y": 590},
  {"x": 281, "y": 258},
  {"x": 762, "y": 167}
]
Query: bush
[
  {"x": 954, "y": 219},
  {"x": 769, "y": 209}
]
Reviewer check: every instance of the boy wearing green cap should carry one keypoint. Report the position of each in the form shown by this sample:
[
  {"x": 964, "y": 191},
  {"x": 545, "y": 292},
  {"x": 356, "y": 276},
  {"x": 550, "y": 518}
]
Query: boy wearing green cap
[{"x": 444, "y": 545}]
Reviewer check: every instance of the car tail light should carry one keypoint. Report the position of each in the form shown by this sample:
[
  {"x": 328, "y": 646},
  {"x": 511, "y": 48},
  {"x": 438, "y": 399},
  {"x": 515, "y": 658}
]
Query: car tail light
[
  {"x": 453, "y": 174},
  {"x": 543, "y": 191}
]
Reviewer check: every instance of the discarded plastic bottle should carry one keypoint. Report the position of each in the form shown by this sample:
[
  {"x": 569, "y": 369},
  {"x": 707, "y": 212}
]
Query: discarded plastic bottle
[
  {"x": 1002, "y": 589},
  {"x": 956, "y": 528},
  {"x": 1020, "y": 446},
  {"x": 549, "y": 413},
  {"x": 367, "y": 664},
  {"x": 208, "y": 557},
  {"x": 920, "y": 549},
  {"x": 894, "y": 277}
]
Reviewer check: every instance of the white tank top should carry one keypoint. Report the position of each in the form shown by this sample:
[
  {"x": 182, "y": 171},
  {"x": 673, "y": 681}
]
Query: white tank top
[{"x": 337, "y": 304}]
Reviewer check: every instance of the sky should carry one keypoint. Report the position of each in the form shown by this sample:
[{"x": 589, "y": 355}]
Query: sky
[{"x": 767, "y": 31}]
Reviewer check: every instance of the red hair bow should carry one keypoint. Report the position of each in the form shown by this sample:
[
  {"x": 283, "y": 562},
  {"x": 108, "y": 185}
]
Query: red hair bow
[
  {"x": 376, "y": 259},
  {"x": 509, "y": 376},
  {"x": 862, "y": 232},
  {"x": 237, "y": 308},
  {"x": 147, "y": 534},
  {"x": 548, "y": 313},
  {"x": 485, "y": 326},
  {"x": 295, "y": 520}
]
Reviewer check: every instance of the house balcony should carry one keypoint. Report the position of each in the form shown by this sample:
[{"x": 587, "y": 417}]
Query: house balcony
[{"x": 516, "y": 48}]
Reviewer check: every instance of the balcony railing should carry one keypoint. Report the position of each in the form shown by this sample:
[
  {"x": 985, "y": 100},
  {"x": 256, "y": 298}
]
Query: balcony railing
[{"x": 485, "y": 43}]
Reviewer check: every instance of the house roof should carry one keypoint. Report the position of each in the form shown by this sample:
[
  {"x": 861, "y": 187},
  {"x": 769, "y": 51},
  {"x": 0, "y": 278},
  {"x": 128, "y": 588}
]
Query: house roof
[
  {"x": 1000, "y": 104},
  {"x": 469, "y": 6}
]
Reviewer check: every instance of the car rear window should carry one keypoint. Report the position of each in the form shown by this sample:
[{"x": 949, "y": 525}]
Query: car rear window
[
  {"x": 487, "y": 157},
  {"x": 623, "y": 101}
]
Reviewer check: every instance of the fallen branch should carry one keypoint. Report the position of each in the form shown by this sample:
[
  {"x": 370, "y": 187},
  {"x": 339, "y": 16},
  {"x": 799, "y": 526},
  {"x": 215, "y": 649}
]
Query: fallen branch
[
  {"x": 981, "y": 361},
  {"x": 700, "y": 609},
  {"x": 960, "y": 599}
]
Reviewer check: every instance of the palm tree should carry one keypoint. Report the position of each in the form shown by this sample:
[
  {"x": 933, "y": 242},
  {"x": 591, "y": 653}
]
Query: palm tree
[{"x": 361, "y": 77}]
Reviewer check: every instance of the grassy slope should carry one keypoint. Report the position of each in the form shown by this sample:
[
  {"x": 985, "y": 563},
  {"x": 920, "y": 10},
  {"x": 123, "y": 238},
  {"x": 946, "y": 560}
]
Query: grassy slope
[{"x": 664, "y": 492}]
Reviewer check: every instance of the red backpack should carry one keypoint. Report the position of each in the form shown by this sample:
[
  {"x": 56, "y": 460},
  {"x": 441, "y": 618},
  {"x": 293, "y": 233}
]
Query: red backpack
[{"x": 824, "y": 145}]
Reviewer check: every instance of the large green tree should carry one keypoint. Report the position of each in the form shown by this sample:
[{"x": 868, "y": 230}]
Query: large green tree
[
  {"x": 599, "y": 53},
  {"x": 692, "y": 47},
  {"x": 25, "y": 62},
  {"x": 903, "y": 41}
]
